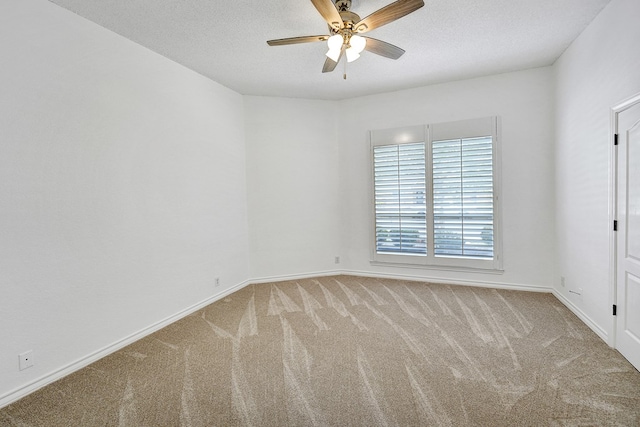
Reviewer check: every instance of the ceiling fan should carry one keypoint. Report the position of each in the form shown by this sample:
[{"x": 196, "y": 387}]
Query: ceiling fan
[{"x": 345, "y": 25}]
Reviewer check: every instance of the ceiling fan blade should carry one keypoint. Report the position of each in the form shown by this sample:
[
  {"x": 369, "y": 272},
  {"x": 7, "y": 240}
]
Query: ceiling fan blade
[
  {"x": 296, "y": 40},
  {"x": 330, "y": 64},
  {"x": 329, "y": 12},
  {"x": 383, "y": 48},
  {"x": 387, "y": 14}
]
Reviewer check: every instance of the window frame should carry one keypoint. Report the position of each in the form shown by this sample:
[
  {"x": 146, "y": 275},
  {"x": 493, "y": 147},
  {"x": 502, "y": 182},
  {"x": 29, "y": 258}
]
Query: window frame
[{"x": 487, "y": 126}]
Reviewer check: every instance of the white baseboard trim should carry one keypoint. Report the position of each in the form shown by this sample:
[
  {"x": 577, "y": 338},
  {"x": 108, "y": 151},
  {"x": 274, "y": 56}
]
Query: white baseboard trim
[
  {"x": 269, "y": 279},
  {"x": 581, "y": 314},
  {"x": 51, "y": 377},
  {"x": 460, "y": 282}
]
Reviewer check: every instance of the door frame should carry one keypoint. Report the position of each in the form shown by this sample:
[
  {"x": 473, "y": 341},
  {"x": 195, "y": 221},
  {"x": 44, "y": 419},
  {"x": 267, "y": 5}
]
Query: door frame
[{"x": 613, "y": 208}]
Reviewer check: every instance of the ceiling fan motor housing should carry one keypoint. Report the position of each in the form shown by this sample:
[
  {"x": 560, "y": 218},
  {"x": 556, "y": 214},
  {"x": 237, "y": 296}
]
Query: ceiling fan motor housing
[{"x": 349, "y": 18}]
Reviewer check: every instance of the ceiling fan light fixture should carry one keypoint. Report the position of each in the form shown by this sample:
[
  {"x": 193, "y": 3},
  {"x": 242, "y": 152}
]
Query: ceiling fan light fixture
[
  {"x": 352, "y": 55},
  {"x": 356, "y": 45},
  {"x": 334, "y": 54},
  {"x": 335, "y": 46},
  {"x": 335, "y": 42}
]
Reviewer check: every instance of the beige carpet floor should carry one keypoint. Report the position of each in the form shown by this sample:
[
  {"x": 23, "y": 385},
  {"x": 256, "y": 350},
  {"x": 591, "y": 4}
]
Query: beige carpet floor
[{"x": 353, "y": 351}]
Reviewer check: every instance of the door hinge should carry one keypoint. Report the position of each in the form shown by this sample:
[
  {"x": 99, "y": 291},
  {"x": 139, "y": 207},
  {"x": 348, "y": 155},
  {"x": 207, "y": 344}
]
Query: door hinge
[
  {"x": 615, "y": 139},
  {"x": 615, "y": 309},
  {"x": 615, "y": 225}
]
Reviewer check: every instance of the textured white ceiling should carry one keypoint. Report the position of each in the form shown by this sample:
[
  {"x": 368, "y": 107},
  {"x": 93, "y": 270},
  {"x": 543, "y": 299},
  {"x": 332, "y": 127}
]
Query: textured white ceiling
[{"x": 445, "y": 40}]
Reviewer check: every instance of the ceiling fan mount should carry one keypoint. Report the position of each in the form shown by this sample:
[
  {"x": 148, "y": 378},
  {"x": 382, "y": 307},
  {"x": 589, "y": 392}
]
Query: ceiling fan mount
[
  {"x": 345, "y": 27},
  {"x": 343, "y": 5}
]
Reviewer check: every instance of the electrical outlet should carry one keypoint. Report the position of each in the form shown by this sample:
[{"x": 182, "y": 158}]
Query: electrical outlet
[
  {"x": 562, "y": 282},
  {"x": 337, "y": 260},
  {"x": 217, "y": 282},
  {"x": 25, "y": 360}
]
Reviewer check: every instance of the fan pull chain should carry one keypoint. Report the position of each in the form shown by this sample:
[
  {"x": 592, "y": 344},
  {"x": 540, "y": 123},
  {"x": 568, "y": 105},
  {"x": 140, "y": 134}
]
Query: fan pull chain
[{"x": 344, "y": 76}]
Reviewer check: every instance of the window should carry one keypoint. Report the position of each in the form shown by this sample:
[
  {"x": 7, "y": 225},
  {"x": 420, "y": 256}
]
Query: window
[
  {"x": 435, "y": 195},
  {"x": 400, "y": 204}
]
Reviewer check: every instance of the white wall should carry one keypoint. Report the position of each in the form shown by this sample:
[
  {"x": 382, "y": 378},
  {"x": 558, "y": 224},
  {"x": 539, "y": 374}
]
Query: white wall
[
  {"x": 122, "y": 189},
  {"x": 292, "y": 186},
  {"x": 600, "y": 69},
  {"x": 524, "y": 101},
  {"x": 308, "y": 169}
]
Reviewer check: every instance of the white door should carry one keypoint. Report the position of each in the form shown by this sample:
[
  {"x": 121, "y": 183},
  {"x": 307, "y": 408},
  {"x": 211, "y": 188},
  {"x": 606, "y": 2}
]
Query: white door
[{"x": 628, "y": 235}]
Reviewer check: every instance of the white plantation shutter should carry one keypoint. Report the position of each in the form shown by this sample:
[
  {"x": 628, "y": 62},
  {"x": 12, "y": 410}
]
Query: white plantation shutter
[
  {"x": 463, "y": 197},
  {"x": 400, "y": 202},
  {"x": 435, "y": 195}
]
